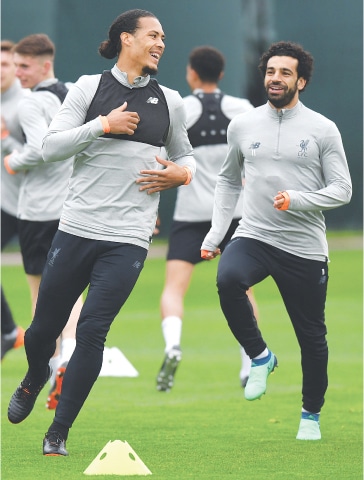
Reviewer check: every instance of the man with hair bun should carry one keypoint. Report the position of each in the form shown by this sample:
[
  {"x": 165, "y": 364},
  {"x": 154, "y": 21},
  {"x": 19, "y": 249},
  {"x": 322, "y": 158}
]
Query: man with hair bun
[{"x": 115, "y": 125}]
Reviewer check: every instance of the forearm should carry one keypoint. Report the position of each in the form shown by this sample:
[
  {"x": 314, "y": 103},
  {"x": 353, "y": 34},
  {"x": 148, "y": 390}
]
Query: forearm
[
  {"x": 189, "y": 162},
  {"x": 226, "y": 198},
  {"x": 9, "y": 144},
  {"x": 333, "y": 196},
  {"x": 67, "y": 134},
  {"x": 26, "y": 160},
  {"x": 60, "y": 145},
  {"x": 338, "y": 187}
]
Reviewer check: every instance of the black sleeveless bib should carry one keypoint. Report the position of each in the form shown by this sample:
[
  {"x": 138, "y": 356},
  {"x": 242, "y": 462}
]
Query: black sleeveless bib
[
  {"x": 149, "y": 102},
  {"x": 211, "y": 127}
]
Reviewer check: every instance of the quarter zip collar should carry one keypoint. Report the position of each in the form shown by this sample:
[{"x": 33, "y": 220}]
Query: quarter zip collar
[
  {"x": 122, "y": 77},
  {"x": 199, "y": 90},
  {"x": 45, "y": 83},
  {"x": 284, "y": 112}
]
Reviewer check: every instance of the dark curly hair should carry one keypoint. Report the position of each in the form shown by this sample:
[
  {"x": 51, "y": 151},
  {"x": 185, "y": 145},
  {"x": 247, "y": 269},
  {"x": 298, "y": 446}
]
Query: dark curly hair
[
  {"x": 126, "y": 22},
  {"x": 289, "y": 49},
  {"x": 208, "y": 63}
]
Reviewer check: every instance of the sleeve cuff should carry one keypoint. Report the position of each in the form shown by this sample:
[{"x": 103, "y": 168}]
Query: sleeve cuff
[
  {"x": 189, "y": 176},
  {"x": 286, "y": 201},
  {"x": 7, "y": 166}
]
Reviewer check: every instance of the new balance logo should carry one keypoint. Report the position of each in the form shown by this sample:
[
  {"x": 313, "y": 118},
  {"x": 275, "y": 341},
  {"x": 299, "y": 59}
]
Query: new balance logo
[
  {"x": 253, "y": 147},
  {"x": 323, "y": 278},
  {"x": 54, "y": 255},
  {"x": 153, "y": 100}
]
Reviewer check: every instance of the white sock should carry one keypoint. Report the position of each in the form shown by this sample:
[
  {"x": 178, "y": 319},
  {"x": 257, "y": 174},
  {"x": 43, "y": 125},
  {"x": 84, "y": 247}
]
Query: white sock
[
  {"x": 172, "y": 331},
  {"x": 245, "y": 363},
  {"x": 54, "y": 363},
  {"x": 264, "y": 353},
  {"x": 67, "y": 347}
]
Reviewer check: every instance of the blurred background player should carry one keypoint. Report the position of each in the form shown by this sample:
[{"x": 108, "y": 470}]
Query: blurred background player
[
  {"x": 43, "y": 186},
  {"x": 12, "y": 335},
  {"x": 208, "y": 112}
]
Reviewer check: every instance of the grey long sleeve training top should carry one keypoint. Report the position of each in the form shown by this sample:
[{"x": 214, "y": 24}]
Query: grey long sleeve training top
[
  {"x": 295, "y": 150},
  {"x": 10, "y": 184},
  {"x": 43, "y": 187},
  {"x": 195, "y": 201},
  {"x": 103, "y": 201}
]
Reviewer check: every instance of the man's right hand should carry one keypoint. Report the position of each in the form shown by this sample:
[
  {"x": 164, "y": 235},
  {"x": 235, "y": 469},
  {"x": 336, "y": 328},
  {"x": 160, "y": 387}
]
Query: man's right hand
[
  {"x": 121, "y": 121},
  {"x": 208, "y": 255}
]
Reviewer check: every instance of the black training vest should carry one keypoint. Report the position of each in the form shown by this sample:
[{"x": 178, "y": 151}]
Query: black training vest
[
  {"x": 59, "y": 89},
  {"x": 211, "y": 127},
  {"x": 149, "y": 102}
]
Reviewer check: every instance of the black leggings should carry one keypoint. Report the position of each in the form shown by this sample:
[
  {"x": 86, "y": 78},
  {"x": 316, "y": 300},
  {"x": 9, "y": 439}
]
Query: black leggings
[
  {"x": 9, "y": 228},
  {"x": 111, "y": 270},
  {"x": 303, "y": 286}
]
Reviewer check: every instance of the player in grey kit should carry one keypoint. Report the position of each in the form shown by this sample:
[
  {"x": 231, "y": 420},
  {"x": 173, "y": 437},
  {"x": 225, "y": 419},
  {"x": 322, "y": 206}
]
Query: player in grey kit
[
  {"x": 12, "y": 335},
  {"x": 43, "y": 187},
  {"x": 295, "y": 167},
  {"x": 209, "y": 112},
  {"x": 115, "y": 124}
]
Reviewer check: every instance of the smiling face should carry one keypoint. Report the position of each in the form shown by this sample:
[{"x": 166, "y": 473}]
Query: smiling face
[
  {"x": 282, "y": 83},
  {"x": 7, "y": 70},
  {"x": 142, "y": 50},
  {"x": 32, "y": 70}
]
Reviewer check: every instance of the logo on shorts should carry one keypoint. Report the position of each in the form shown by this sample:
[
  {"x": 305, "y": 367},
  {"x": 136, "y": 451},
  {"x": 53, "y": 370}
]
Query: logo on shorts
[
  {"x": 137, "y": 264},
  {"x": 54, "y": 255},
  {"x": 323, "y": 278}
]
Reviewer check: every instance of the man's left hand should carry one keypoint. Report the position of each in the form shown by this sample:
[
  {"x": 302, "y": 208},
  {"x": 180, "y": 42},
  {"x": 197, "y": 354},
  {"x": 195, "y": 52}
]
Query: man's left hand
[{"x": 158, "y": 180}]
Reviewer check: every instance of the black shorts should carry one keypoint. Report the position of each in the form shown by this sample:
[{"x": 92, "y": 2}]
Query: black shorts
[
  {"x": 186, "y": 238},
  {"x": 9, "y": 228},
  {"x": 35, "y": 239}
]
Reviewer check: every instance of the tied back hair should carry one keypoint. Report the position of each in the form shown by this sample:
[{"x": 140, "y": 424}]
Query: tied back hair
[{"x": 126, "y": 22}]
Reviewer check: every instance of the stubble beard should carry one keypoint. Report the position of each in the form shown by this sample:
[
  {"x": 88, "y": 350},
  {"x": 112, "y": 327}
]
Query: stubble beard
[
  {"x": 283, "y": 100},
  {"x": 149, "y": 70}
]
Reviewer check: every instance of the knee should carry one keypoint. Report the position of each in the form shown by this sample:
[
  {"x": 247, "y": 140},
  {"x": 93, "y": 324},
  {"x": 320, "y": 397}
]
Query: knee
[
  {"x": 230, "y": 283},
  {"x": 90, "y": 336}
]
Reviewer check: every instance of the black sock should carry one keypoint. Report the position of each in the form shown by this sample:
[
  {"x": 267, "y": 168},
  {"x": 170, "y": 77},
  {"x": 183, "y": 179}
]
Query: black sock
[{"x": 58, "y": 427}]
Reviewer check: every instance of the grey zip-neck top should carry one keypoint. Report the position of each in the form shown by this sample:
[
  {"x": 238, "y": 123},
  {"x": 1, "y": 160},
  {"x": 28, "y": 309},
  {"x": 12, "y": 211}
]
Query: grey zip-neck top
[
  {"x": 103, "y": 201},
  {"x": 10, "y": 184},
  {"x": 295, "y": 150},
  {"x": 195, "y": 201},
  {"x": 43, "y": 187}
]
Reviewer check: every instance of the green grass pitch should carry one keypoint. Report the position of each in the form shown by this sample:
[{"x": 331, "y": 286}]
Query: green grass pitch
[{"x": 203, "y": 428}]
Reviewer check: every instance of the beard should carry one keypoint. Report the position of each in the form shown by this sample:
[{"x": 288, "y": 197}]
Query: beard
[
  {"x": 280, "y": 101},
  {"x": 150, "y": 70}
]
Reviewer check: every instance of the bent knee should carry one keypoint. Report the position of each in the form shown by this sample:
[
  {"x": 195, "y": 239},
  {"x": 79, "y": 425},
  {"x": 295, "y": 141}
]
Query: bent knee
[{"x": 231, "y": 284}]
